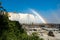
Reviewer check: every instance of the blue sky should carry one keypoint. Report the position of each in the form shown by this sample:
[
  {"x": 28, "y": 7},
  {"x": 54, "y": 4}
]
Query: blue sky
[
  {"x": 49, "y": 9},
  {"x": 21, "y": 5}
]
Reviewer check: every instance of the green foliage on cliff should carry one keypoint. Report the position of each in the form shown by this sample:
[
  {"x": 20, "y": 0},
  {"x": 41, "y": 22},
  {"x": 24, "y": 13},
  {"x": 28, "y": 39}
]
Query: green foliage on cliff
[{"x": 12, "y": 30}]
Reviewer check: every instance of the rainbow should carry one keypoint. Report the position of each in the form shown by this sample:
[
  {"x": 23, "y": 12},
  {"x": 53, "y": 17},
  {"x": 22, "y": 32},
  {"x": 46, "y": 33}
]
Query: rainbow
[{"x": 36, "y": 13}]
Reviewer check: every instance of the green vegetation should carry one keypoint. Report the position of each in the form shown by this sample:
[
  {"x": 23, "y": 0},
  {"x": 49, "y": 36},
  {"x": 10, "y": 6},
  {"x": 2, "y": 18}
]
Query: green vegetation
[{"x": 12, "y": 30}]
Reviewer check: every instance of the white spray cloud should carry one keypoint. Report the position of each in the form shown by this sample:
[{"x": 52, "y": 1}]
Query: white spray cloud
[
  {"x": 40, "y": 17},
  {"x": 52, "y": 16},
  {"x": 24, "y": 18}
]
